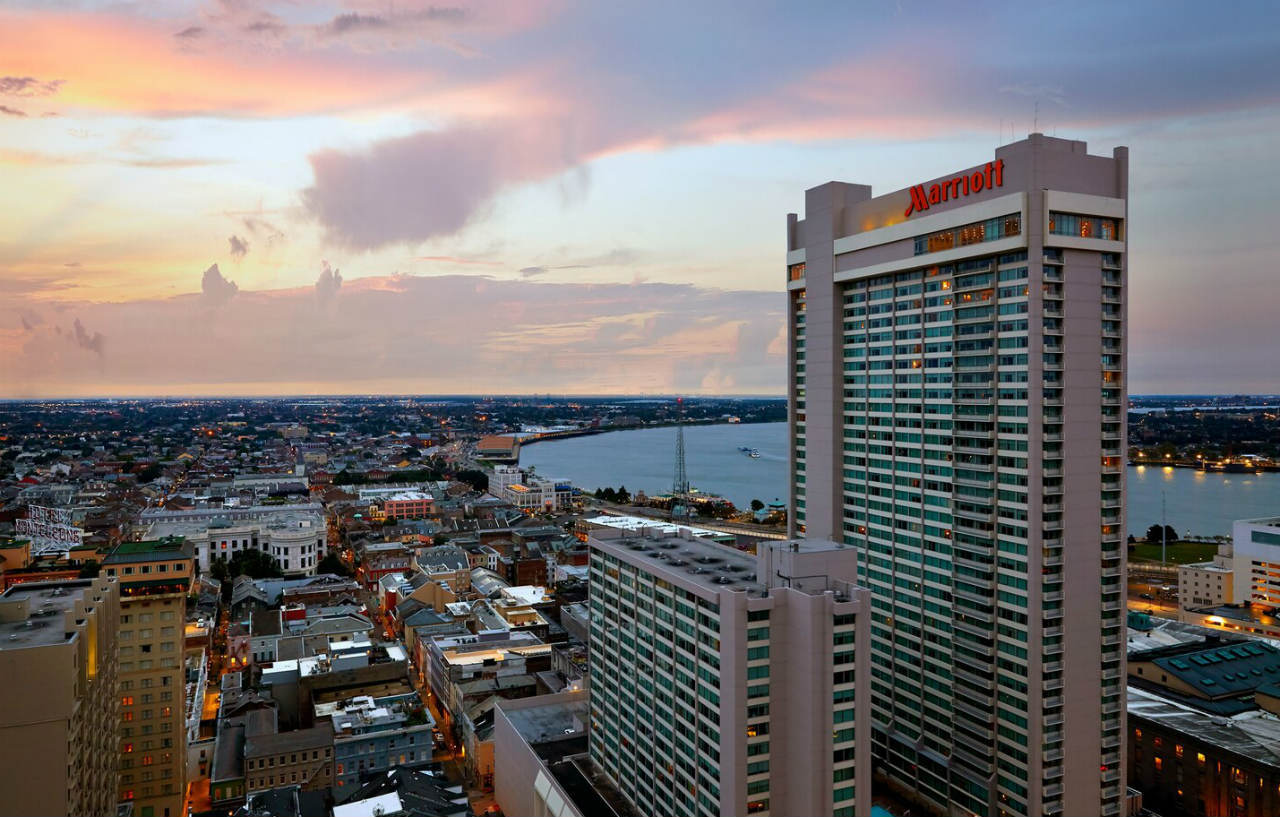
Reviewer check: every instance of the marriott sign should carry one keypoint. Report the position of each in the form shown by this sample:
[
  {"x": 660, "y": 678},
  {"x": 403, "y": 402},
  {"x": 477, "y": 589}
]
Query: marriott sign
[{"x": 988, "y": 178}]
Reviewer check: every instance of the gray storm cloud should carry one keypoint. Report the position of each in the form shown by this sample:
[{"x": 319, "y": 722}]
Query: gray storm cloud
[
  {"x": 95, "y": 343},
  {"x": 215, "y": 289},
  {"x": 328, "y": 284}
]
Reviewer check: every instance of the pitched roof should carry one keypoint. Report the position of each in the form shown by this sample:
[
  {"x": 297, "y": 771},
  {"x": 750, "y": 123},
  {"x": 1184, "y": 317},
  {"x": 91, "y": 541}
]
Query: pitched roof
[{"x": 1225, "y": 670}]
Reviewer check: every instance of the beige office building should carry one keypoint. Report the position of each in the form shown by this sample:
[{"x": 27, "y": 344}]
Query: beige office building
[
  {"x": 155, "y": 579},
  {"x": 729, "y": 684},
  {"x": 59, "y": 714},
  {"x": 957, "y": 359}
]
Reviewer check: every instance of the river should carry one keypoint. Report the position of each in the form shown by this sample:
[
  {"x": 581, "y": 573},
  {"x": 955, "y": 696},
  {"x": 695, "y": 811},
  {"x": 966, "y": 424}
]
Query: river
[{"x": 1197, "y": 502}]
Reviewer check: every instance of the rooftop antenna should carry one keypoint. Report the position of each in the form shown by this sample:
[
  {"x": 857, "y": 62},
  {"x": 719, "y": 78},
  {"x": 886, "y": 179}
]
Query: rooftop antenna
[
  {"x": 680, "y": 484},
  {"x": 1035, "y": 122}
]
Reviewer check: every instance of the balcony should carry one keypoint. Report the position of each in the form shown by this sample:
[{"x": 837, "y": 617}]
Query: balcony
[
  {"x": 973, "y": 679},
  {"x": 960, "y": 752}
]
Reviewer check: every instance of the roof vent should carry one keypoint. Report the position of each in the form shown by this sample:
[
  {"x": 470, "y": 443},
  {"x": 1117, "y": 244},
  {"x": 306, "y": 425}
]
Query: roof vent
[
  {"x": 724, "y": 580},
  {"x": 677, "y": 562}
]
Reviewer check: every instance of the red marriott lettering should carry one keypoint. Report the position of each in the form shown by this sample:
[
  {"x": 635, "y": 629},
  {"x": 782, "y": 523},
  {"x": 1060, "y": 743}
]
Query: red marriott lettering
[{"x": 988, "y": 178}]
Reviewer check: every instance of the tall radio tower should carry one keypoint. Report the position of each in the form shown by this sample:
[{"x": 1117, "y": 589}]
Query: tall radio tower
[{"x": 680, "y": 485}]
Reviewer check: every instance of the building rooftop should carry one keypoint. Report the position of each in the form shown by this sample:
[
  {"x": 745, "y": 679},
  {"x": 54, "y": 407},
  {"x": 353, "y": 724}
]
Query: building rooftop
[
  {"x": 1254, "y": 734},
  {"x": 1210, "y": 567},
  {"x": 687, "y": 560},
  {"x": 47, "y": 607},
  {"x": 409, "y": 496},
  {"x": 1266, "y": 521},
  {"x": 1222, "y": 670},
  {"x": 270, "y": 744},
  {"x": 165, "y": 548},
  {"x": 363, "y": 714},
  {"x": 636, "y": 523},
  {"x": 548, "y": 722}
]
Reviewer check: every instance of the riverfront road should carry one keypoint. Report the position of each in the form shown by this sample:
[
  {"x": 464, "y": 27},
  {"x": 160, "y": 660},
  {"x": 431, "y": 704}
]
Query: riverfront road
[{"x": 659, "y": 515}]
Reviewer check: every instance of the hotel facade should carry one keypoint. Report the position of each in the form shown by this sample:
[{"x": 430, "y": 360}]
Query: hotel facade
[
  {"x": 729, "y": 684},
  {"x": 957, "y": 403}
]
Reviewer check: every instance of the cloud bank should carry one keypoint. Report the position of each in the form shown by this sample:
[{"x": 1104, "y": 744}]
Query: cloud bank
[{"x": 413, "y": 335}]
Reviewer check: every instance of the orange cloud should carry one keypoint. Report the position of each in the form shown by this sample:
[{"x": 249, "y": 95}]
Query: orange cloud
[{"x": 133, "y": 66}]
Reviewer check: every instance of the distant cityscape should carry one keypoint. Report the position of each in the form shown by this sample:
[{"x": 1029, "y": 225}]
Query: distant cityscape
[{"x": 339, "y": 606}]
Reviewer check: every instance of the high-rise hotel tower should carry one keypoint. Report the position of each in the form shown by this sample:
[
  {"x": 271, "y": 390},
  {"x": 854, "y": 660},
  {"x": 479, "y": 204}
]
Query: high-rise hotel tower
[{"x": 958, "y": 415}]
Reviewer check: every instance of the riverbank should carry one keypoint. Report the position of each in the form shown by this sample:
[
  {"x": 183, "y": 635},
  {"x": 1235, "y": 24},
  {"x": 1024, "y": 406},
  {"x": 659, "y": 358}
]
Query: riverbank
[{"x": 591, "y": 432}]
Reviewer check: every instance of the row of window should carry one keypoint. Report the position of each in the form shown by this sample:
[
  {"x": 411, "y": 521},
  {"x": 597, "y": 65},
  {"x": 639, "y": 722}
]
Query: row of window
[
  {"x": 1084, "y": 226},
  {"x": 975, "y": 233}
]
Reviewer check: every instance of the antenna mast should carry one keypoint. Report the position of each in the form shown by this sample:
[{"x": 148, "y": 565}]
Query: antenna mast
[{"x": 680, "y": 484}]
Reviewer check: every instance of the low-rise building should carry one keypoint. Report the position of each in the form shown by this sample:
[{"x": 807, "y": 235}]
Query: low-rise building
[
  {"x": 372, "y": 735},
  {"x": 1185, "y": 761},
  {"x": 407, "y": 793},
  {"x": 302, "y": 757},
  {"x": 409, "y": 505},
  {"x": 468, "y": 674},
  {"x": 1208, "y": 584}
]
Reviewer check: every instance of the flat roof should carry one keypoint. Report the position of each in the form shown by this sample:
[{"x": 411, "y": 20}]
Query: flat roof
[
  {"x": 48, "y": 603},
  {"x": 151, "y": 550},
  {"x": 692, "y": 561},
  {"x": 554, "y": 721},
  {"x": 274, "y": 743},
  {"x": 635, "y": 523},
  {"x": 1254, "y": 735}
]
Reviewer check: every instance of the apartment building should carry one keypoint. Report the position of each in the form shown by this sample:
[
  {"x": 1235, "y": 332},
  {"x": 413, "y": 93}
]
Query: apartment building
[
  {"x": 957, "y": 403},
  {"x": 726, "y": 684},
  {"x": 155, "y": 579},
  {"x": 302, "y": 757},
  {"x": 409, "y": 505},
  {"x": 373, "y": 735},
  {"x": 59, "y": 734}
]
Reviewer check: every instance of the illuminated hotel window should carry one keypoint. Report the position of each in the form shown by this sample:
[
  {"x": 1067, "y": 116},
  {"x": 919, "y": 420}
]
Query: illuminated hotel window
[
  {"x": 975, "y": 233},
  {"x": 1084, "y": 226}
]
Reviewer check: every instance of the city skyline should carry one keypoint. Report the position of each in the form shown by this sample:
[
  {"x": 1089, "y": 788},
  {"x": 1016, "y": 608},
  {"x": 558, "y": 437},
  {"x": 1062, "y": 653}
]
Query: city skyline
[{"x": 254, "y": 198}]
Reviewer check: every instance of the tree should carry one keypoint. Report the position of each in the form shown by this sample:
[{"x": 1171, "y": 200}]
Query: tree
[
  {"x": 439, "y": 539},
  {"x": 623, "y": 497},
  {"x": 332, "y": 563},
  {"x": 149, "y": 473},
  {"x": 608, "y": 494},
  {"x": 218, "y": 569},
  {"x": 249, "y": 562},
  {"x": 1155, "y": 534},
  {"x": 90, "y": 569},
  {"x": 1171, "y": 533},
  {"x": 478, "y": 480},
  {"x": 757, "y": 505}
]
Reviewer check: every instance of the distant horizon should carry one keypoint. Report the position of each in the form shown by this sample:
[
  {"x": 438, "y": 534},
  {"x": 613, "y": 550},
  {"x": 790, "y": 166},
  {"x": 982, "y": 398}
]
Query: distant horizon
[{"x": 522, "y": 395}]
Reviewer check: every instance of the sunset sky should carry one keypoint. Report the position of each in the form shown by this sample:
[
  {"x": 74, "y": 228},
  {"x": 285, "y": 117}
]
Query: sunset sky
[{"x": 250, "y": 197}]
